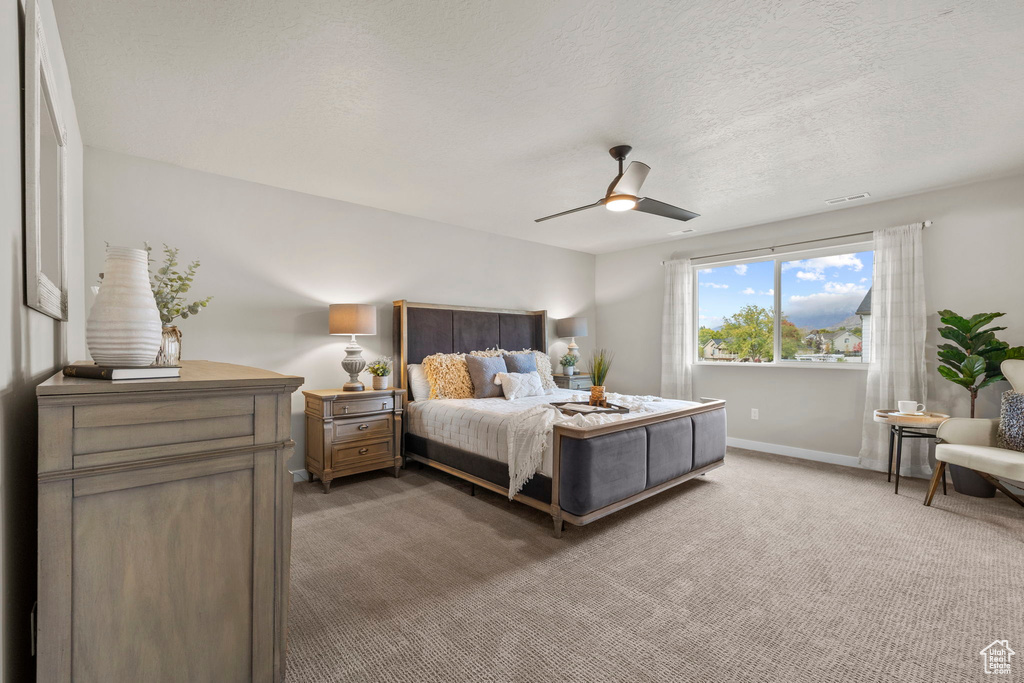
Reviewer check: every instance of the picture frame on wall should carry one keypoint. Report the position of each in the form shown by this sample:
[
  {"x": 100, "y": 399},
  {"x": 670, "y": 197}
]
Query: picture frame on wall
[{"x": 45, "y": 180}]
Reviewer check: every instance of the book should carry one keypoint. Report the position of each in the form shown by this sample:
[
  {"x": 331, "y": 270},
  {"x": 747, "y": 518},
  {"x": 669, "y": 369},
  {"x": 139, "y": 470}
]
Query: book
[
  {"x": 580, "y": 408},
  {"x": 112, "y": 372}
]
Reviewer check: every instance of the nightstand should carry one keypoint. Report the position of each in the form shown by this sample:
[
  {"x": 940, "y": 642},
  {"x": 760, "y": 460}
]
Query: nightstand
[
  {"x": 574, "y": 382},
  {"x": 348, "y": 432}
]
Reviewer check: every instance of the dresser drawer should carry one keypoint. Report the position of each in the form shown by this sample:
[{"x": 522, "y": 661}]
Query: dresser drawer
[
  {"x": 365, "y": 428},
  {"x": 362, "y": 405}
]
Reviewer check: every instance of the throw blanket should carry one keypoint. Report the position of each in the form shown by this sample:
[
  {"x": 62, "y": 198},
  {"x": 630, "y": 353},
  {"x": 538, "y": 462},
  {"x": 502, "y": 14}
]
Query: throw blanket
[{"x": 530, "y": 433}]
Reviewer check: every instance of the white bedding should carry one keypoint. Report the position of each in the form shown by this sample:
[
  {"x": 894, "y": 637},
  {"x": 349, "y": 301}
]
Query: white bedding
[{"x": 518, "y": 432}]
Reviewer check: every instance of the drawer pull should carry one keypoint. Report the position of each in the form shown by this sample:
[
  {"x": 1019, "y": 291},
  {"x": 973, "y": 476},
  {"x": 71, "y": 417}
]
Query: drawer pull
[
  {"x": 364, "y": 451},
  {"x": 363, "y": 426},
  {"x": 384, "y": 405},
  {"x": 346, "y": 410}
]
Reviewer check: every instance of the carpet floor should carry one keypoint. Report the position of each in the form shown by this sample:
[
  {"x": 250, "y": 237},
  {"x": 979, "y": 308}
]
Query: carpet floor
[{"x": 767, "y": 569}]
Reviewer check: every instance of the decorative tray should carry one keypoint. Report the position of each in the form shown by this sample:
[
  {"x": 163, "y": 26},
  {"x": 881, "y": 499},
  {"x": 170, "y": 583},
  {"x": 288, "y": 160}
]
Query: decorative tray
[{"x": 587, "y": 409}]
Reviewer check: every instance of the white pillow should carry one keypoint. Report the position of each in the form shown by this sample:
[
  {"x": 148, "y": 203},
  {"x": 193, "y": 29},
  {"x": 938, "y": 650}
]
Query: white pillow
[
  {"x": 419, "y": 387},
  {"x": 519, "y": 384}
]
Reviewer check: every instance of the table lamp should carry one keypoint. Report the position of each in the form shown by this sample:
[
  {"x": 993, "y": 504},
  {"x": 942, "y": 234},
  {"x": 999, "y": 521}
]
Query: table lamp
[
  {"x": 352, "y": 319},
  {"x": 572, "y": 328}
]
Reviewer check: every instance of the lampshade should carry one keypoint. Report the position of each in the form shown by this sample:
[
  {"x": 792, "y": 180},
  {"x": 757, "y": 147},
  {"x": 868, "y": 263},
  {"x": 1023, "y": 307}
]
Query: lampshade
[
  {"x": 352, "y": 319},
  {"x": 571, "y": 327}
]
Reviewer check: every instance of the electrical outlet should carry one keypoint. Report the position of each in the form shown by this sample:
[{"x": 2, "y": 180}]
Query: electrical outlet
[{"x": 753, "y": 413}]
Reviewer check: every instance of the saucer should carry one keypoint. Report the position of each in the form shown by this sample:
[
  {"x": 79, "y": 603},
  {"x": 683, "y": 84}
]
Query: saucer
[{"x": 909, "y": 414}]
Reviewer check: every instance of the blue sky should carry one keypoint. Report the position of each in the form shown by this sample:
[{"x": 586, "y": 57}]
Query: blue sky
[{"x": 814, "y": 291}]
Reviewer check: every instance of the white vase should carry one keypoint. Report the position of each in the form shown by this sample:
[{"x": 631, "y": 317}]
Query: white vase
[
  {"x": 124, "y": 323},
  {"x": 381, "y": 382}
]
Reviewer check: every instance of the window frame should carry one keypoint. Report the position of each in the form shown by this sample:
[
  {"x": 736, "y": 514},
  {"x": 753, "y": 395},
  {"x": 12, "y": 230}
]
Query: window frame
[{"x": 778, "y": 258}]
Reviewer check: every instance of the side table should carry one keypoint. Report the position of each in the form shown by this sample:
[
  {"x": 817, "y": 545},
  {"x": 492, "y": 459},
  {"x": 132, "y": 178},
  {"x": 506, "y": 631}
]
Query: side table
[{"x": 908, "y": 427}]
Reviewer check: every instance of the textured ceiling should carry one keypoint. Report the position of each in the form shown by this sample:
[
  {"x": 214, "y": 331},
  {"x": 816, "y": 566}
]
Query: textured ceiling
[{"x": 491, "y": 114}]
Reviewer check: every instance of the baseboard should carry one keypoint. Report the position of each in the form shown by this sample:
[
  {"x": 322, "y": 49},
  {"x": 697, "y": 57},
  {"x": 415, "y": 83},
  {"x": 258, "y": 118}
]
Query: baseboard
[
  {"x": 300, "y": 475},
  {"x": 804, "y": 453}
]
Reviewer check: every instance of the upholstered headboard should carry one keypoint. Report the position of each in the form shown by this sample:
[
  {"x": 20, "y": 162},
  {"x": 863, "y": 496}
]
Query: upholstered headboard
[{"x": 424, "y": 329}]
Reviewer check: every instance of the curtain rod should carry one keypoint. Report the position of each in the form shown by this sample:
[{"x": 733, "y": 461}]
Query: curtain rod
[{"x": 925, "y": 224}]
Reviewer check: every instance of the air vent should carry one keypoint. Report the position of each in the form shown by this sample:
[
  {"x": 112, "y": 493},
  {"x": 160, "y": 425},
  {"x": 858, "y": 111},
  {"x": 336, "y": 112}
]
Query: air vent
[
  {"x": 848, "y": 198},
  {"x": 685, "y": 231}
]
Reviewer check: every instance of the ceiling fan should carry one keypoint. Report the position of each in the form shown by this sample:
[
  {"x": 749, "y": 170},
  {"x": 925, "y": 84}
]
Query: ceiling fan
[{"x": 623, "y": 193}]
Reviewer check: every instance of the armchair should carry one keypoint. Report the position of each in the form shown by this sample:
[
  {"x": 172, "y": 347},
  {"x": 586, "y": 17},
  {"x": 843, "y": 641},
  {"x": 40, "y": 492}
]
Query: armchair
[{"x": 971, "y": 443}]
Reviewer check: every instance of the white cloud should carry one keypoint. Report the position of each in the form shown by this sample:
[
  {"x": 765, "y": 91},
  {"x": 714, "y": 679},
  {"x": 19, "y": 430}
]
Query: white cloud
[
  {"x": 770, "y": 292},
  {"x": 704, "y": 270},
  {"x": 817, "y": 265},
  {"x": 809, "y": 275},
  {"x": 749, "y": 290},
  {"x": 714, "y": 285},
  {"x": 741, "y": 269},
  {"x": 711, "y": 321},
  {"x": 838, "y": 298},
  {"x": 844, "y": 288},
  {"x": 863, "y": 279}
]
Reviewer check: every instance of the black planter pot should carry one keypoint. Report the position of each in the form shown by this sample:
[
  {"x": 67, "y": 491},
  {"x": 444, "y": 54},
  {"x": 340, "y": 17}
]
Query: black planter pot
[{"x": 970, "y": 483}]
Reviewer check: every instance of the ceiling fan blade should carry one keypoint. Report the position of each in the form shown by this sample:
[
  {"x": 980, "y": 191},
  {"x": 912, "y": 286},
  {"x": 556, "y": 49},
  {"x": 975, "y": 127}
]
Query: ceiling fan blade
[
  {"x": 599, "y": 202},
  {"x": 631, "y": 179},
  {"x": 648, "y": 205}
]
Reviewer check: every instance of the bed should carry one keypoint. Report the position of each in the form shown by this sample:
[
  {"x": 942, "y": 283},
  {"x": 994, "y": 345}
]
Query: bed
[{"x": 588, "y": 471}]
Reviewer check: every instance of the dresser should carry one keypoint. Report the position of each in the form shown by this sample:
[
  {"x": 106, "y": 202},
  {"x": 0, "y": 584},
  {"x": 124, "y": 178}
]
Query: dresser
[
  {"x": 164, "y": 526},
  {"x": 348, "y": 432},
  {"x": 574, "y": 382}
]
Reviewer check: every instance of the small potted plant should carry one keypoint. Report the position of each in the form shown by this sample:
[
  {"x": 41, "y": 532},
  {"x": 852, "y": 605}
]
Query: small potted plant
[
  {"x": 381, "y": 371},
  {"x": 169, "y": 286},
  {"x": 600, "y": 364},
  {"x": 569, "y": 362}
]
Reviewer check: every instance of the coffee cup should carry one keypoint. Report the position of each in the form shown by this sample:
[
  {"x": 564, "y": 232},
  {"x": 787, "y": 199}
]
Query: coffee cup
[{"x": 910, "y": 407}]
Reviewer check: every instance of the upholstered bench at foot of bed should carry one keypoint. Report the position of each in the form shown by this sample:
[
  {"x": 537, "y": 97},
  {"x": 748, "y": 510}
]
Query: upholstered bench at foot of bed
[{"x": 603, "y": 470}]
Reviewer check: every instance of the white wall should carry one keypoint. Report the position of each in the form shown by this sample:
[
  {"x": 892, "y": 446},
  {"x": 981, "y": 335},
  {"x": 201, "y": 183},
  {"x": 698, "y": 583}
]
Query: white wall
[
  {"x": 32, "y": 346},
  {"x": 274, "y": 259},
  {"x": 973, "y": 256}
]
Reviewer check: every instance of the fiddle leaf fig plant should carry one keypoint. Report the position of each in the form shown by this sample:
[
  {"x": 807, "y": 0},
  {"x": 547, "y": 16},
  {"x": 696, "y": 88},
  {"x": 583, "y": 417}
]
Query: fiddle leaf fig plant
[{"x": 973, "y": 359}]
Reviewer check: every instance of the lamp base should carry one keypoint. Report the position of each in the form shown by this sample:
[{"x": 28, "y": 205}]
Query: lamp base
[{"x": 353, "y": 365}]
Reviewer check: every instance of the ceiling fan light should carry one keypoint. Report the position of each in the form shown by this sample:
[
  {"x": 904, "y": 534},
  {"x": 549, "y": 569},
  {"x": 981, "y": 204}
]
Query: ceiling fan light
[{"x": 620, "y": 202}]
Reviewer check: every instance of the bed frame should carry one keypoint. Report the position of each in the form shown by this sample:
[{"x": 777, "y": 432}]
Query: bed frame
[{"x": 595, "y": 471}]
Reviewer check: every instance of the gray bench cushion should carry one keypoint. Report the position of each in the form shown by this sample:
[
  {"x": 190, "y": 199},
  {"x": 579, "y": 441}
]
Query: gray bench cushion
[
  {"x": 603, "y": 470},
  {"x": 708, "y": 438},
  {"x": 669, "y": 450}
]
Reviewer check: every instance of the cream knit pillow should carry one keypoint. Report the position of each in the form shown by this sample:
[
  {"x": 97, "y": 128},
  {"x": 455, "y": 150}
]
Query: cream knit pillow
[
  {"x": 519, "y": 384},
  {"x": 489, "y": 353},
  {"x": 448, "y": 375}
]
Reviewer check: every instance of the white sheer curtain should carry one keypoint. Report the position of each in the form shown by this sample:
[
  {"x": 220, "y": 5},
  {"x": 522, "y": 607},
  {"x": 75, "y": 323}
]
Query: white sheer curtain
[
  {"x": 898, "y": 328},
  {"x": 677, "y": 334}
]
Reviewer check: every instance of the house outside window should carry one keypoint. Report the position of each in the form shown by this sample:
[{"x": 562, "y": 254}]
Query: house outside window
[{"x": 810, "y": 308}]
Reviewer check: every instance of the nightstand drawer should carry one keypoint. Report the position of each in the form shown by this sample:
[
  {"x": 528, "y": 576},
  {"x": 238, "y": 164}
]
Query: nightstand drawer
[
  {"x": 362, "y": 405},
  {"x": 574, "y": 382},
  {"x": 366, "y": 428},
  {"x": 344, "y": 457}
]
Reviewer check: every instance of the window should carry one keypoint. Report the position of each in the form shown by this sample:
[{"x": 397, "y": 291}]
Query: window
[
  {"x": 815, "y": 309},
  {"x": 736, "y": 320}
]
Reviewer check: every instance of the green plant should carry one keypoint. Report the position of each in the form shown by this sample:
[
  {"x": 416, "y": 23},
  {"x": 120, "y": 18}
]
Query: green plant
[
  {"x": 570, "y": 360},
  {"x": 973, "y": 359},
  {"x": 600, "y": 364},
  {"x": 169, "y": 285},
  {"x": 380, "y": 367}
]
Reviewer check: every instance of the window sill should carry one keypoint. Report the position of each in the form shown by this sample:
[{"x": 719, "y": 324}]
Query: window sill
[{"x": 789, "y": 365}]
